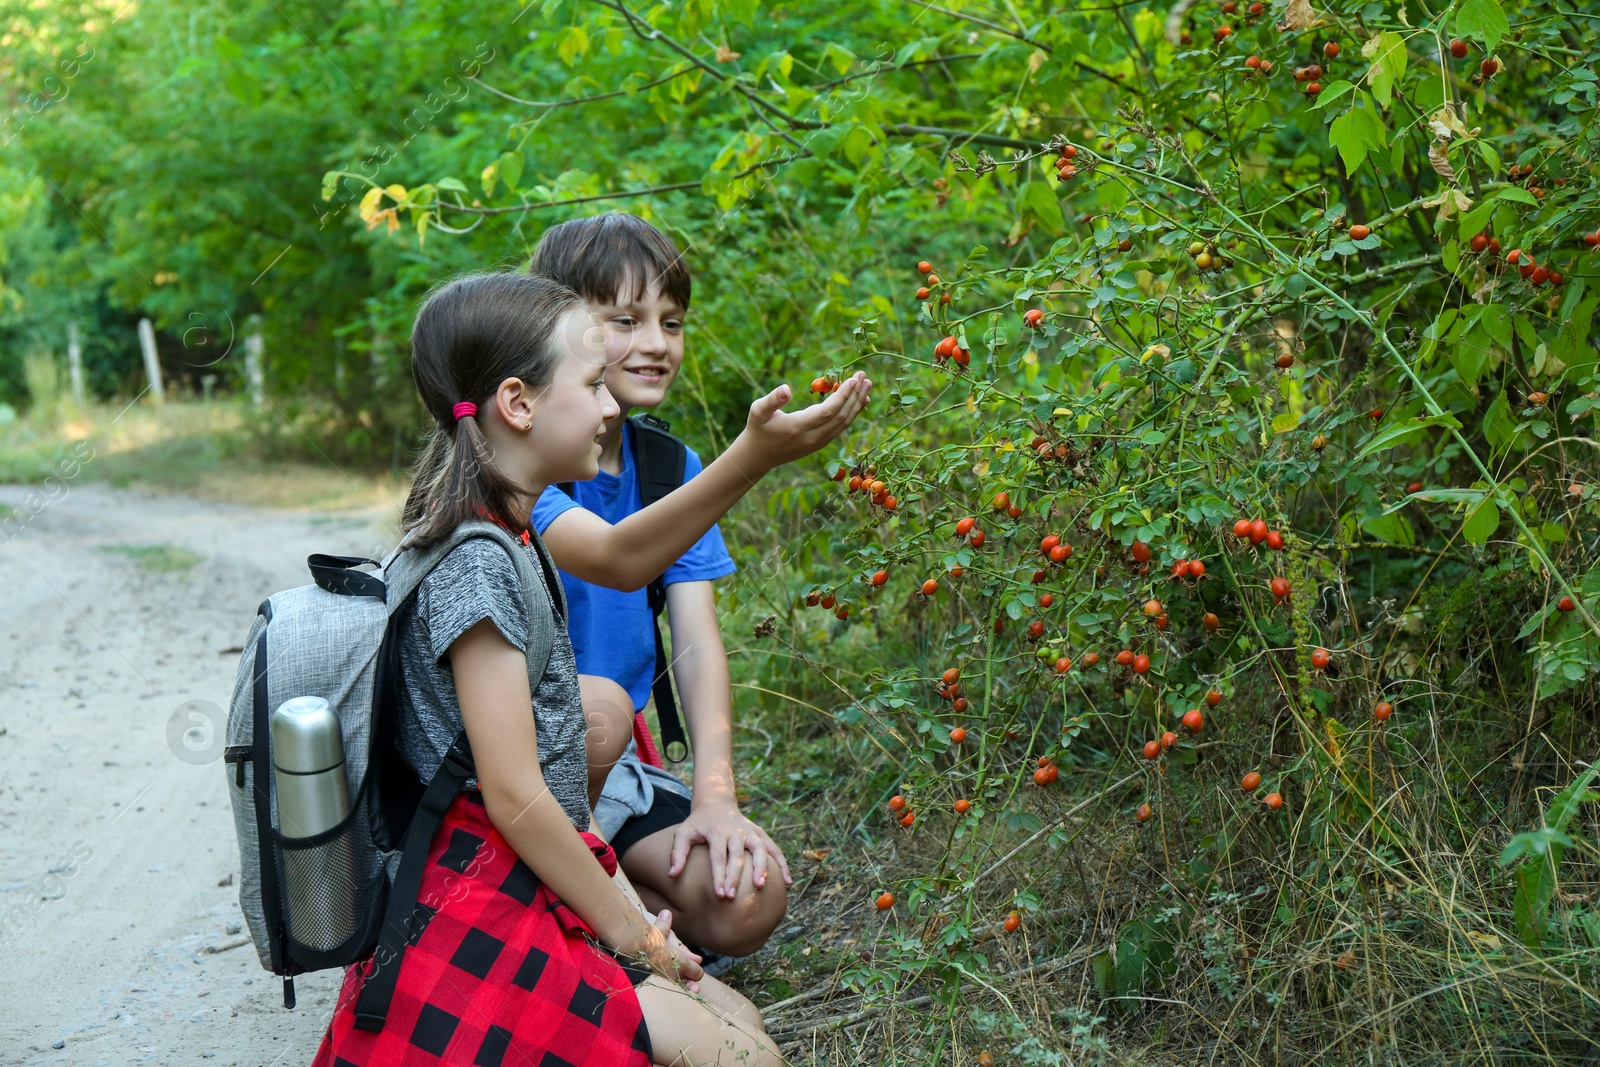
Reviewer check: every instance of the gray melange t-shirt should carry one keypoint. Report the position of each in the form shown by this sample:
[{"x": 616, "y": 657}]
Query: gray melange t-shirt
[{"x": 477, "y": 581}]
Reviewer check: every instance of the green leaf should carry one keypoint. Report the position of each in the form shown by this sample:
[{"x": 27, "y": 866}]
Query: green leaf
[
  {"x": 1481, "y": 522},
  {"x": 1388, "y": 54},
  {"x": 1405, "y": 431},
  {"x": 510, "y": 169},
  {"x": 1039, "y": 198},
  {"x": 1285, "y": 421},
  {"x": 1355, "y": 133},
  {"x": 1521, "y": 196},
  {"x": 330, "y": 184},
  {"x": 1482, "y": 19},
  {"x": 1333, "y": 91},
  {"x": 1499, "y": 426},
  {"x": 1471, "y": 357},
  {"x": 453, "y": 185},
  {"x": 840, "y": 57},
  {"x": 571, "y": 44},
  {"x": 1473, "y": 222},
  {"x": 1496, "y": 322}
]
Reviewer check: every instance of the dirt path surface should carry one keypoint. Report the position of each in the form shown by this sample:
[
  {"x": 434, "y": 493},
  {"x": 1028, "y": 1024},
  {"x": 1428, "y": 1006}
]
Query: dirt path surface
[{"x": 120, "y": 939}]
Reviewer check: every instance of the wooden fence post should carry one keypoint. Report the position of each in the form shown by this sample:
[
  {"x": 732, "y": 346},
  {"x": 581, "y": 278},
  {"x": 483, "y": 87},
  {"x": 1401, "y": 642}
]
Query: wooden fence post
[
  {"x": 254, "y": 371},
  {"x": 75, "y": 363},
  {"x": 152, "y": 361}
]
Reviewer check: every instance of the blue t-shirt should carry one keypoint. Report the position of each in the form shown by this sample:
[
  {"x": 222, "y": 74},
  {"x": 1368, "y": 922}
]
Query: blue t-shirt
[{"x": 610, "y": 629}]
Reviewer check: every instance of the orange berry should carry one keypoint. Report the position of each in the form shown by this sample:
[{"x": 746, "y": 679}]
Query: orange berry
[
  {"x": 1013, "y": 921},
  {"x": 963, "y": 806},
  {"x": 1273, "y": 801},
  {"x": 1193, "y": 721},
  {"x": 885, "y": 901},
  {"x": 1251, "y": 782},
  {"x": 1142, "y": 813},
  {"x": 958, "y": 735}
]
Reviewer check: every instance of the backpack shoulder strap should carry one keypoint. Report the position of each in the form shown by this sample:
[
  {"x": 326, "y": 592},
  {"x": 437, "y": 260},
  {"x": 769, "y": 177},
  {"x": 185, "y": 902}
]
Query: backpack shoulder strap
[
  {"x": 406, "y": 567},
  {"x": 658, "y": 456},
  {"x": 660, "y": 459}
]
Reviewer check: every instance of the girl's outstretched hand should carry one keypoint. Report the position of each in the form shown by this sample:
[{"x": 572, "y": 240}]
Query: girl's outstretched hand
[{"x": 775, "y": 437}]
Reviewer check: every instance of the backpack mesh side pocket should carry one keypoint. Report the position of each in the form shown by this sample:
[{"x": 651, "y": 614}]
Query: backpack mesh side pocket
[{"x": 333, "y": 887}]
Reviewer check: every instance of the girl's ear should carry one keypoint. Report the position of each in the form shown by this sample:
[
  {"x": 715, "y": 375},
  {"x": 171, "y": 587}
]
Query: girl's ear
[{"x": 514, "y": 402}]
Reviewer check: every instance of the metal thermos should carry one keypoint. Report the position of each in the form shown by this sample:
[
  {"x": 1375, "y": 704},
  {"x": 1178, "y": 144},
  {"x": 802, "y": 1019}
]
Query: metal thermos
[{"x": 313, "y": 796}]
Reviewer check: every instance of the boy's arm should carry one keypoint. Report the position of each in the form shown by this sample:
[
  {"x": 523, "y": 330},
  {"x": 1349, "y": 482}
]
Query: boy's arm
[
  {"x": 632, "y": 553},
  {"x": 700, "y": 665}
]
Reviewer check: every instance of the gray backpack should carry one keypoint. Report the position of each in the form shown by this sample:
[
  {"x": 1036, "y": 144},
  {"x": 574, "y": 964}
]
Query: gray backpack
[{"x": 339, "y": 639}]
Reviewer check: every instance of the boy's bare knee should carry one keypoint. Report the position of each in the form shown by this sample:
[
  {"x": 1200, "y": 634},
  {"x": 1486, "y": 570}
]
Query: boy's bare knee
[{"x": 609, "y": 711}]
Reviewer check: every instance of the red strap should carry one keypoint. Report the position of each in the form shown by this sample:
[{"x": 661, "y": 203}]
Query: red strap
[
  {"x": 646, "y": 743},
  {"x": 602, "y": 852}
]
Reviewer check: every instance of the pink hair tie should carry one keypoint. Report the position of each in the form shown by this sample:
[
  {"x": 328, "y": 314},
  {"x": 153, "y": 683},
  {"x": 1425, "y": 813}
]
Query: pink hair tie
[{"x": 464, "y": 409}]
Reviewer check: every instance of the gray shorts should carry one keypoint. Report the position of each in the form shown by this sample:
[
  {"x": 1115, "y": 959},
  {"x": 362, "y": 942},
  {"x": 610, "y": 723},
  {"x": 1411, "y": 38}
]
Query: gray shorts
[{"x": 633, "y": 794}]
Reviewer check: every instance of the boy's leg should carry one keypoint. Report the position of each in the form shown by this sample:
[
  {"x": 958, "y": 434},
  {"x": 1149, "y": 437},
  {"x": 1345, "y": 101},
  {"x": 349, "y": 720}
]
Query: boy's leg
[
  {"x": 609, "y": 711},
  {"x": 736, "y": 927}
]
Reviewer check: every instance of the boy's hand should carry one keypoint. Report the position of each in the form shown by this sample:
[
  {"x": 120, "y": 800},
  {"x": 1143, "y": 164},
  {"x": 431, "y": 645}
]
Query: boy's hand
[
  {"x": 774, "y": 437},
  {"x": 727, "y": 834}
]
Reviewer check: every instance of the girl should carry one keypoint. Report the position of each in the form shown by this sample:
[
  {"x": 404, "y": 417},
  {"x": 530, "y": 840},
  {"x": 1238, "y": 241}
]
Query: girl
[{"x": 504, "y": 970}]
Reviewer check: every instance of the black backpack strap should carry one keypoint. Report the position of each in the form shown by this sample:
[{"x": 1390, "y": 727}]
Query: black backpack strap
[
  {"x": 338, "y": 574},
  {"x": 660, "y": 460},
  {"x": 401, "y": 917}
]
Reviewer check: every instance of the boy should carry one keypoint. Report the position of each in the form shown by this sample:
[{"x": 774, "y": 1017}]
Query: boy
[{"x": 682, "y": 849}]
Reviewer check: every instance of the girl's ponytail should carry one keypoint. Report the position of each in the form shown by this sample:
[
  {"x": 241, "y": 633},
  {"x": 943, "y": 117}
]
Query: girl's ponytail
[{"x": 471, "y": 334}]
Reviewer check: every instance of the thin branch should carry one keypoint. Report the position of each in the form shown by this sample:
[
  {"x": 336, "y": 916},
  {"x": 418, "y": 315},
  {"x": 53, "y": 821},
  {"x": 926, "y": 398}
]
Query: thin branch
[{"x": 552, "y": 104}]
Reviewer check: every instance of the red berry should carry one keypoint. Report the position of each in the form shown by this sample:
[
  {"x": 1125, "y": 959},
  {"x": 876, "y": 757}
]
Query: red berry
[
  {"x": 1193, "y": 721},
  {"x": 1213, "y": 698},
  {"x": 1458, "y": 49},
  {"x": 930, "y": 587},
  {"x": 1152, "y": 749},
  {"x": 1479, "y": 242},
  {"x": 1566, "y": 604},
  {"x": 1124, "y": 658},
  {"x": 1046, "y": 600},
  {"x": 1320, "y": 659},
  {"x": 1275, "y": 540},
  {"x": 924, "y": 267},
  {"x": 1254, "y": 62},
  {"x": 1331, "y": 50},
  {"x": 965, "y": 526},
  {"x": 1141, "y": 552},
  {"x": 1514, "y": 255},
  {"x": 1241, "y": 528},
  {"x": 1250, "y": 782},
  {"x": 1141, "y": 664},
  {"x": 1197, "y": 568},
  {"x": 963, "y": 806},
  {"x": 1280, "y": 588},
  {"x": 1143, "y": 813},
  {"x": 958, "y": 735},
  {"x": 896, "y": 803},
  {"x": 1210, "y": 621},
  {"x": 880, "y": 577},
  {"x": 1224, "y": 32},
  {"x": 1002, "y": 501},
  {"x": 1048, "y": 543},
  {"x": 1063, "y": 665},
  {"x": 1169, "y": 739},
  {"x": 1258, "y": 531},
  {"x": 1359, "y": 232},
  {"x": 923, "y": 292},
  {"x": 959, "y": 705},
  {"x": 1152, "y": 608},
  {"x": 1035, "y": 628},
  {"x": 1033, "y": 317},
  {"x": 1273, "y": 801},
  {"x": 1013, "y": 921},
  {"x": 1489, "y": 67},
  {"x": 977, "y": 539},
  {"x": 1313, "y": 89},
  {"x": 1383, "y": 711},
  {"x": 885, "y": 901}
]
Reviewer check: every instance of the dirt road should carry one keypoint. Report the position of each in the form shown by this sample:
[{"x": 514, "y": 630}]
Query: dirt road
[{"x": 120, "y": 937}]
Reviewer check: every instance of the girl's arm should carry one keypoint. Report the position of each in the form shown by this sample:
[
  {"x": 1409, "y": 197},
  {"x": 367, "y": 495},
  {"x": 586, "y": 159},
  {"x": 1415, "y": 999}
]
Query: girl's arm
[
  {"x": 632, "y": 553},
  {"x": 491, "y": 676},
  {"x": 700, "y": 665}
]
